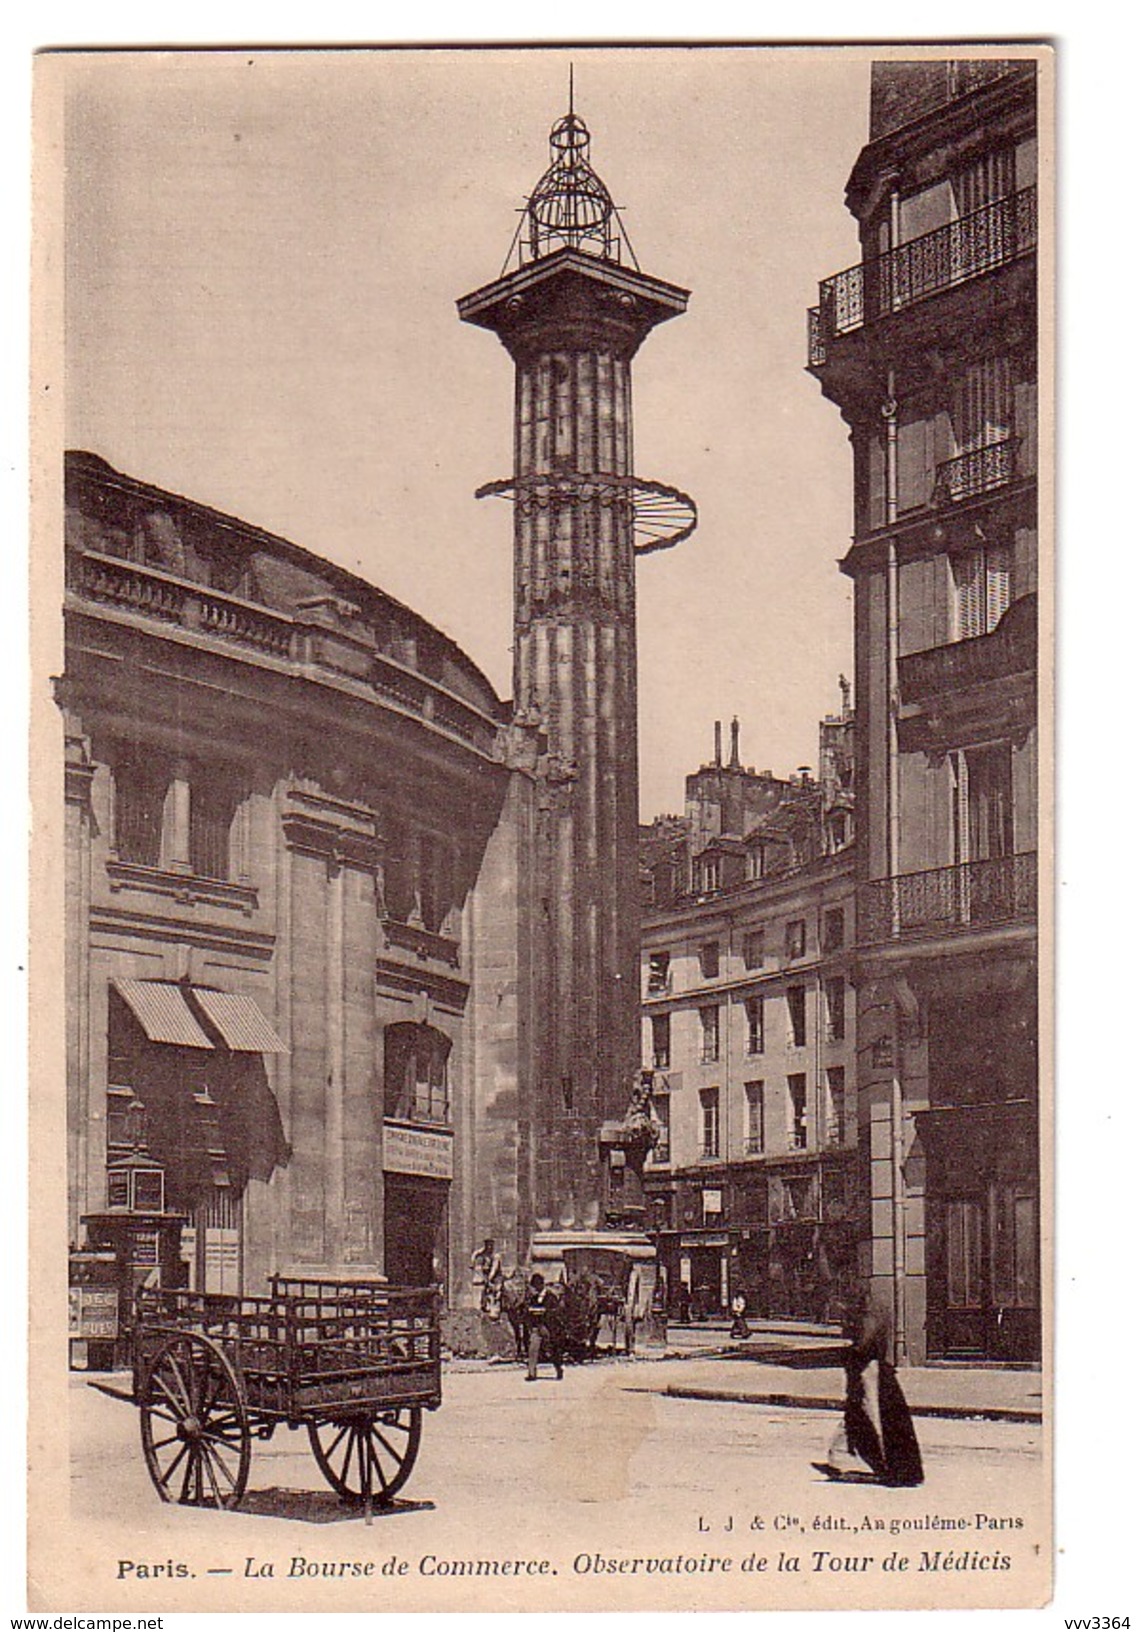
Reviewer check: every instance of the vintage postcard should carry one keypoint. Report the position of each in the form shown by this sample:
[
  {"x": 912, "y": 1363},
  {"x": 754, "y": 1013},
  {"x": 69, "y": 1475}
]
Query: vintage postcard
[{"x": 542, "y": 634}]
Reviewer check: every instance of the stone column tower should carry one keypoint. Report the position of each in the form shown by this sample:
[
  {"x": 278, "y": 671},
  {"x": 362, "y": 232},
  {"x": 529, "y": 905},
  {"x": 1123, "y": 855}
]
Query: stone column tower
[{"x": 572, "y": 313}]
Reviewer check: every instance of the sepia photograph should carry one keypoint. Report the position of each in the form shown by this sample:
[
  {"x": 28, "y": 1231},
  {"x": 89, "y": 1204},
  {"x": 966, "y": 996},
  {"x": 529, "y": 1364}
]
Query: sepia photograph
[{"x": 543, "y": 637}]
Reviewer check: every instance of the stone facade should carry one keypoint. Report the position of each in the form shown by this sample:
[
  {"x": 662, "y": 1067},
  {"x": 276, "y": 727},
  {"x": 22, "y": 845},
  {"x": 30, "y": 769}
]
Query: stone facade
[
  {"x": 282, "y": 786},
  {"x": 929, "y": 349},
  {"x": 749, "y": 1031}
]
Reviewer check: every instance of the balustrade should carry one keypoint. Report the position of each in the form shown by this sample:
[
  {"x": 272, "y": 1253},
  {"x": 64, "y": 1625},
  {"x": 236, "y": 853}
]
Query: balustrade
[
  {"x": 148, "y": 590},
  {"x": 979, "y": 471},
  {"x": 980, "y": 242},
  {"x": 1003, "y": 889}
]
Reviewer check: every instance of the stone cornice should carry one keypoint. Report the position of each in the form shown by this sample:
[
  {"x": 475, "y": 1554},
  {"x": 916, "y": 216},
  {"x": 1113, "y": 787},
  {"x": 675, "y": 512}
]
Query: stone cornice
[
  {"x": 162, "y": 927},
  {"x": 450, "y": 994},
  {"x": 185, "y": 887}
]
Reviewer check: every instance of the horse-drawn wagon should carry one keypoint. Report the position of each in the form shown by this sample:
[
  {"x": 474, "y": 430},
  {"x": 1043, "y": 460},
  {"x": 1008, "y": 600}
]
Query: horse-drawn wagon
[
  {"x": 355, "y": 1363},
  {"x": 610, "y": 1275}
]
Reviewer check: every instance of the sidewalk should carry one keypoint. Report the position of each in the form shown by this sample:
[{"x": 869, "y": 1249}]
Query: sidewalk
[{"x": 758, "y": 1374}]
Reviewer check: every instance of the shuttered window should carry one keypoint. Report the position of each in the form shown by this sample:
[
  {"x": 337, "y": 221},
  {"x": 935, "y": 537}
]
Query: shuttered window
[
  {"x": 661, "y": 1151},
  {"x": 982, "y": 589},
  {"x": 755, "y": 1018},
  {"x": 982, "y": 405},
  {"x": 984, "y": 182}
]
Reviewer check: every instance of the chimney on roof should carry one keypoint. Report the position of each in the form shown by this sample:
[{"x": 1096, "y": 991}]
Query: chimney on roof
[
  {"x": 735, "y": 744},
  {"x": 717, "y": 742}
]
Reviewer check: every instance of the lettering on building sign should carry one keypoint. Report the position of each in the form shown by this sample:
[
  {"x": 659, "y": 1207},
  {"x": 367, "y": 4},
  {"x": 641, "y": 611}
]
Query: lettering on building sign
[
  {"x": 93, "y": 1311},
  {"x": 411, "y": 1150}
]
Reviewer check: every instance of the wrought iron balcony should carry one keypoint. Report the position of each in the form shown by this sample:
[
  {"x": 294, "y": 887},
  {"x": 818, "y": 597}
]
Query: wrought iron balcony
[
  {"x": 980, "y": 471},
  {"x": 980, "y": 242},
  {"x": 945, "y": 899}
]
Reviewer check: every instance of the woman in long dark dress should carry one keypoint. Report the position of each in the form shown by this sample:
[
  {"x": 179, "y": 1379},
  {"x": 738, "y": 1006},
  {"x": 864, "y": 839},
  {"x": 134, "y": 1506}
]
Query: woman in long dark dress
[{"x": 877, "y": 1423}]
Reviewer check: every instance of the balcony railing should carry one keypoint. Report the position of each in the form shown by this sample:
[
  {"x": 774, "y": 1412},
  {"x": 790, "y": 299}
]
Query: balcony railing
[
  {"x": 974, "y": 893},
  {"x": 159, "y": 595},
  {"x": 980, "y": 471},
  {"x": 980, "y": 242},
  {"x": 754, "y": 1145}
]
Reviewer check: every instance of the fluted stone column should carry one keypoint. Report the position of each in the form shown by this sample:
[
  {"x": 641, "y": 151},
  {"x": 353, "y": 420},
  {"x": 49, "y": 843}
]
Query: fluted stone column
[{"x": 572, "y": 324}]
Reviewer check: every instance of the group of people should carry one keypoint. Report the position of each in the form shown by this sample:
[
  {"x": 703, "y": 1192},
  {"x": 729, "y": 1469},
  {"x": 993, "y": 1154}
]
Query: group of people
[
  {"x": 876, "y": 1441},
  {"x": 541, "y": 1311}
]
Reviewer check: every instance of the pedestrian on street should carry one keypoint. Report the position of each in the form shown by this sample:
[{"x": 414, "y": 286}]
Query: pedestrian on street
[
  {"x": 877, "y": 1441},
  {"x": 740, "y": 1326},
  {"x": 487, "y": 1274},
  {"x": 543, "y": 1314}
]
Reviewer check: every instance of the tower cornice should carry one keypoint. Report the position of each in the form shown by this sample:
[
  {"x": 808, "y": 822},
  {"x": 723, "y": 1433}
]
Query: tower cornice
[{"x": 575, "y": 292}]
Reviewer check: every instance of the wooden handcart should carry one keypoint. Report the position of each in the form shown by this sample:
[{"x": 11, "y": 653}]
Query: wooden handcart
[{"x": 355, "y": 1363}]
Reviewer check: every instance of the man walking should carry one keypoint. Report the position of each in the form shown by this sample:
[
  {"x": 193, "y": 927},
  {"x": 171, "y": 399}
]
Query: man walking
[{"x": 544, "y": 1318}]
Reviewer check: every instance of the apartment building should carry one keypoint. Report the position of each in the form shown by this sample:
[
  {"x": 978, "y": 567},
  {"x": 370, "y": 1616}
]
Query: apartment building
[
  {"x": 929, "y": 348},
  {"x": 749, "y": 1031}
]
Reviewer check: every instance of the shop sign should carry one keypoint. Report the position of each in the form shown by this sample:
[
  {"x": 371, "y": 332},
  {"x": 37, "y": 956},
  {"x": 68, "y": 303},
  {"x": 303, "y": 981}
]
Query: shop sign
[
  {"x": 415, "y": 1151},
  {"x": 222, "y": 1260},
  {"x": 144, "y": 1247},
  {"x": 93, "y": 1311}
]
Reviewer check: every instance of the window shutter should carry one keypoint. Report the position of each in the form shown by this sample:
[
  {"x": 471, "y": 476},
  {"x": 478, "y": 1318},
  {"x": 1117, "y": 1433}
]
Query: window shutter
[
  {"x": 997, "y": 584},
  {"x": 969, "y": 593}
]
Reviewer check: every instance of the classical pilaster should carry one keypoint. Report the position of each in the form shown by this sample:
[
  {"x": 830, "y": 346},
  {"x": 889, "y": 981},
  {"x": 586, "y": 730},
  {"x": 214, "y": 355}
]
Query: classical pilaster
[{"x": 336, "y": 1188}]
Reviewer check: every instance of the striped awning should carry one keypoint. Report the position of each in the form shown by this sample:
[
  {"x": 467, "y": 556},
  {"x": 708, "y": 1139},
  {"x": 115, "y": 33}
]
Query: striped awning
[
  {"x": 163, "y": 1012},
  {"x": 243, "y": 1026}
]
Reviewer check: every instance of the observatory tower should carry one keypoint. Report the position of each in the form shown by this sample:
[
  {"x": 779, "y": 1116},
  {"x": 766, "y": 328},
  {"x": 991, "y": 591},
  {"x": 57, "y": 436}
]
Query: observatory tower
[{"x": 572, "y": 308}]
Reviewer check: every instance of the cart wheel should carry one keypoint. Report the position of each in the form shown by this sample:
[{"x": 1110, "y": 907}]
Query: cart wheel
[
  {"x": 195, "y": 1427},
  {"x": 368, "y": 1458}
]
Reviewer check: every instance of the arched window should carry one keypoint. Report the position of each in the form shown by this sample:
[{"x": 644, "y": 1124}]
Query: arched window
[{"x": 416, "y": 1073}]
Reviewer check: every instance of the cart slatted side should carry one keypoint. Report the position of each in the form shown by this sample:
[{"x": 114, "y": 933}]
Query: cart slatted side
[{"x": 311, "y": 1347}]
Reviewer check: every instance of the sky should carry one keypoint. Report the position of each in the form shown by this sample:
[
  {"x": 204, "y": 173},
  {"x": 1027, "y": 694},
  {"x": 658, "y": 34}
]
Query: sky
[{"x": 263, "y": 255}]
